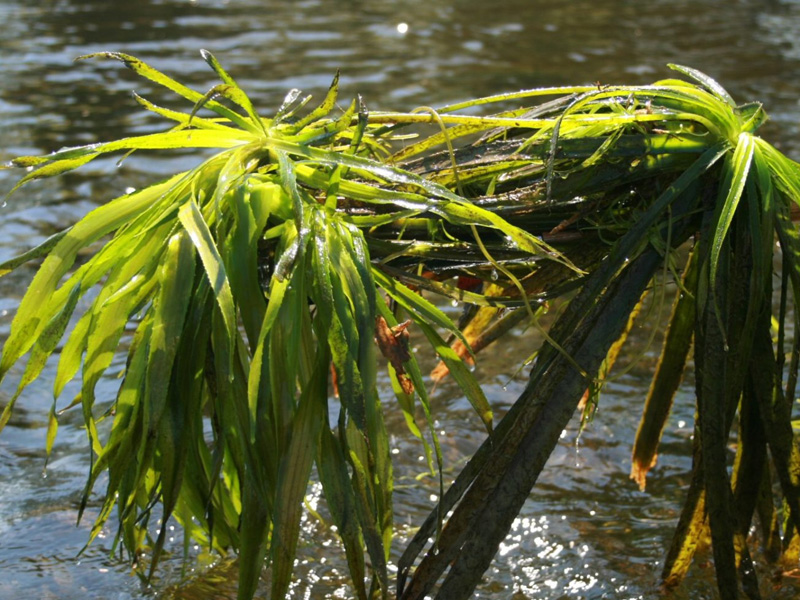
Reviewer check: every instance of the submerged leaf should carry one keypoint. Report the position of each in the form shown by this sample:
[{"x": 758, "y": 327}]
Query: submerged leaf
[{"x": 667, "y": 376}]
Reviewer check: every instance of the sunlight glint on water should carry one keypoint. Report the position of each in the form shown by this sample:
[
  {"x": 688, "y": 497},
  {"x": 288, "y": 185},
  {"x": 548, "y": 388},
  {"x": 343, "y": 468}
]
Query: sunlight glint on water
[{"x": 587, "y": 532}]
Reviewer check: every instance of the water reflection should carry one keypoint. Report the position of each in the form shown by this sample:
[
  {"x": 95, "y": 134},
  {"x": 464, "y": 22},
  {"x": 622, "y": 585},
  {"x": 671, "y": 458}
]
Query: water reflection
[{"x": 587, "y": 531}]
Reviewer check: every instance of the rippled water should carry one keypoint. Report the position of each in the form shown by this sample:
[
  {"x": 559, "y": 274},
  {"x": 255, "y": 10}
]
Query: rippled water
[{"x": 587, "y": 532}]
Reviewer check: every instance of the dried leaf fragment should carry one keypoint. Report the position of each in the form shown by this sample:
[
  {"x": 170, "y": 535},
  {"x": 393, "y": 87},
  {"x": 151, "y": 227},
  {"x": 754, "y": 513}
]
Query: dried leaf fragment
[{"x": 393, "y": 344}]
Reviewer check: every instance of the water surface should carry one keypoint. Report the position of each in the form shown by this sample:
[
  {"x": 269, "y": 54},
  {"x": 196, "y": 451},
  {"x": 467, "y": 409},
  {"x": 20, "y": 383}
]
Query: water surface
[{"x": 586, "y": 532}]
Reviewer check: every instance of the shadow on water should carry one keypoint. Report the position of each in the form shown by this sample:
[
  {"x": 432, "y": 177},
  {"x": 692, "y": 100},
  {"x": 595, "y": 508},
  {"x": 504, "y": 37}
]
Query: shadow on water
[{"x": 587, "y": 532}]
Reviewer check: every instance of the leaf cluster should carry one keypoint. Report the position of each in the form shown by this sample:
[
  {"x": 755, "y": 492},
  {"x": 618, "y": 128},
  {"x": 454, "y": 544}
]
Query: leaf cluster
[{"x": 251, "y": 291}]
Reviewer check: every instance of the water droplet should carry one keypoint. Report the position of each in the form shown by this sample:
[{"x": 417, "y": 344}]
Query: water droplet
[
  {"x": 454, "y": 302},
  {"x": 4, "y": 204},
  {"x": 402, "y": 28},
  {"x": 495, "y": 276}
]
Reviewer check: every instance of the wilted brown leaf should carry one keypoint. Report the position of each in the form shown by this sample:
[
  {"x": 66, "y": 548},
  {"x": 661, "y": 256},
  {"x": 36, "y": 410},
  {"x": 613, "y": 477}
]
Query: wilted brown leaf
[{"x": 393, "y": 343}]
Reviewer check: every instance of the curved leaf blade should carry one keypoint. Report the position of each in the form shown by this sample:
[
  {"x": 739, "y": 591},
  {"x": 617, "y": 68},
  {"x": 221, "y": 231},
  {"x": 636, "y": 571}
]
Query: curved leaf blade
[{"x": 192, "y": 220}]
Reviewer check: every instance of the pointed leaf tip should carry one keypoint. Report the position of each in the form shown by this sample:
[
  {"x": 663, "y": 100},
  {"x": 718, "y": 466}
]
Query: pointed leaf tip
[
  {"x": 709, "y": 83},
  {"x": 212, "y": 62}
]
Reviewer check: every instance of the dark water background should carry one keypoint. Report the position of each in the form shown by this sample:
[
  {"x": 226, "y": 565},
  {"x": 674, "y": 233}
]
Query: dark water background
[{"x": 587, "y": 532}]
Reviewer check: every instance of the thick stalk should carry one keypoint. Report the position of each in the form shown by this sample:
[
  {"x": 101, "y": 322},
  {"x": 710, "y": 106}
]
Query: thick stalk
[
  {"x": 496, "y": 516},
  {"x": 596, "y": 300}
]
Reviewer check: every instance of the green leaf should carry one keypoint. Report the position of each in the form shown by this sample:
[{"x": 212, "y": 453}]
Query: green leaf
[
  {"x": 55, "y": 168},
  {"x": 776, "y": 419},
  {"x": 182, "y": 139},
  {"x": 128, "y": 284},
  {"x": 41, "y": 250},
  {"x": 148, "y": 72},
  {"x": 334, "y": 476},
  {"x": 460, "y": 372},
  {"x": 242, "y": 260},
  {"x": 175, "y": 277},
  {"x": 236, "y": 95},
  {"x": 255, "y": 538},
  {"x": 365, "y": 503},
  {"x": 666, "y": 380},
  {"x": 732, "y": 188},
  {"x": 407, "y": 403},
  {"x": 450, "y": 206},
  {"x": 713, "y": 383},
  {"x": 327, "y": 129},
  {"x": 706, "y": 81},
  {"x": 294, "y": 474},
  {"x": 45, "y": 345},
  {"x": 321, "y": 111},
  {"x": 196, "y": 227},
  {"x": 35, "y": 305},
  {"x": 415, "y": 304},
  {"x": 52, "y": 431},
  {"x": 234, "y": 92},
  {"x": 72, "y": 353},
  {"x": 255, "y": 386},
  {"x": 692, "y": 527},
  {"x": 185, "y": 119},
  {"x": 343, "y": 339},
  {"x": 72, "y": 158},
  {"x": 125, "y": 439}
]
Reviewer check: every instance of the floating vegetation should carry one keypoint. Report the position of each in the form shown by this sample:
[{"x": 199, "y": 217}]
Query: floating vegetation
[{"x": 262, "y": 286}]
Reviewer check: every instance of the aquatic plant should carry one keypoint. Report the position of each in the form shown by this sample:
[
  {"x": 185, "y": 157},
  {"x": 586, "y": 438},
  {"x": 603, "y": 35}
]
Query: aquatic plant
[{"x": 261, "y": 285}]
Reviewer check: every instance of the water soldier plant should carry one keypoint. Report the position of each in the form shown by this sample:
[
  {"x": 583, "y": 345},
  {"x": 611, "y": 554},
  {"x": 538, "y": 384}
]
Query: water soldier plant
[{"x": 262, "y": 285}]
